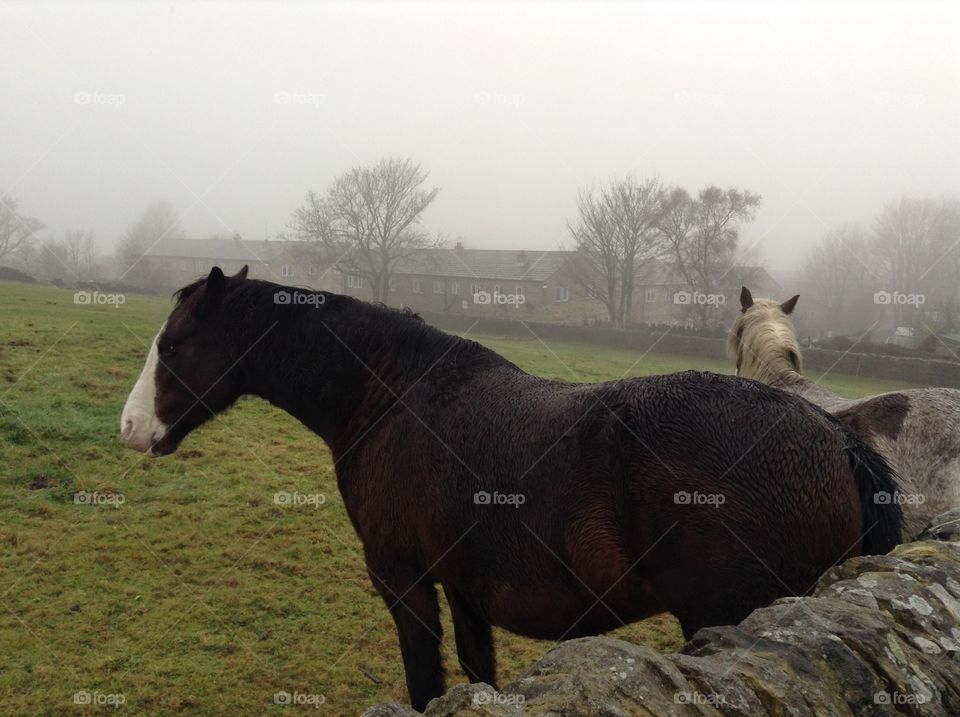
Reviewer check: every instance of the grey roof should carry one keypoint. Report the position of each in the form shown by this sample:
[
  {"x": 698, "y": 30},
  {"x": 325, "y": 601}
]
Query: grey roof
[
  {"x": 749, "y": 276},
  {"x": 218, "y": 249},
  {"x": 659, "y": 273},
  {"x": 502, "y": 264},
  {"x": 505, "y": 264}
]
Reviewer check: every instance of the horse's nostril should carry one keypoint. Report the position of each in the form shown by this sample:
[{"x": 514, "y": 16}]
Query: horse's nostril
[{"x": 127, "y": 428}]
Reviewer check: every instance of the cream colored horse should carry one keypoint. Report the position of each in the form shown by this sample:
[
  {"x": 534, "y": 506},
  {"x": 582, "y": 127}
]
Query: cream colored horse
[{"x": 916, "y": 430}]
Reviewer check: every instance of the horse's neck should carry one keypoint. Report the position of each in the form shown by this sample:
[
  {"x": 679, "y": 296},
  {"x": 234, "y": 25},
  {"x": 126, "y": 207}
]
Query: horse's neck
[
  {"x": 290, "y": 371},
  {"x": 339, "y": 376},
  {"x": 794, "y": 382}
]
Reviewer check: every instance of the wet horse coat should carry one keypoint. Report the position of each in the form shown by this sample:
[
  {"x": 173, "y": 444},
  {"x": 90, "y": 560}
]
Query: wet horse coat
[
  {"x": 916, "y": 430},
  {"x": 704, "y": 495}
]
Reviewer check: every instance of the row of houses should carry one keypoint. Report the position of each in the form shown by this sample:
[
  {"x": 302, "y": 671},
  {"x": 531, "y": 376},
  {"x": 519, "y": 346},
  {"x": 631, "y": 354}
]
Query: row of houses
[{"x": 527, "y": 284}]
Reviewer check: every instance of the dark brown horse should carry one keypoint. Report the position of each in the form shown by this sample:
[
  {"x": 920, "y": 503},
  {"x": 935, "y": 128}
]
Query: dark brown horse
[{"x": 553, "y": 510}]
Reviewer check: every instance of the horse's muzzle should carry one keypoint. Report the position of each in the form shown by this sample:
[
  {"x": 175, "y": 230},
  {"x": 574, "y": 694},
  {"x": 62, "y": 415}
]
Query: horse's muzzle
[{"x": 144, "y": 434}]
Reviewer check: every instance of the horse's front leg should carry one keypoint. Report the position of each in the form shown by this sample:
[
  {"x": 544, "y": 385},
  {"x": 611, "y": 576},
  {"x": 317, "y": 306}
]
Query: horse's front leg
[
  {"x": 474, "y": 639},
  {"x": 412, "y": 602}
]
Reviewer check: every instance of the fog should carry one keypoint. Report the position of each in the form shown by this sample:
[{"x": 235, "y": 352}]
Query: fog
[{"x": 232, "y": 112}]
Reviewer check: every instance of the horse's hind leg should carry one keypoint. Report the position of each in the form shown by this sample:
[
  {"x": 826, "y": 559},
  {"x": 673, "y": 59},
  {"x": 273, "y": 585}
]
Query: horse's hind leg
[
  {"x": 727, "y": 606},
  {"x": 416, "y": 613},
  {"x": 474, "y": 640},
  {"x": 693, "y": 618}
]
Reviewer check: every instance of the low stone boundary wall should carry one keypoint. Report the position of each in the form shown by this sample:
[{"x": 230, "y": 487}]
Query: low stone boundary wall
[
  {"x": 879, "y": 636},
  {"x": 929, "y": 372}
]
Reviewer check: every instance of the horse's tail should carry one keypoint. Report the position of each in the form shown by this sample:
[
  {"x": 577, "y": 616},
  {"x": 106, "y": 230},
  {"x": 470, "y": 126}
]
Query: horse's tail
[{"x": 878, "y": 486}]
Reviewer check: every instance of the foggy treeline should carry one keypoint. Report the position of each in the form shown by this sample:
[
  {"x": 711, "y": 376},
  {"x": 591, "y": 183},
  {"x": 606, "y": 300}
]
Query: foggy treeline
[
  {"x": 371, "y": 217},
  {"x": 907, "y": 260}
]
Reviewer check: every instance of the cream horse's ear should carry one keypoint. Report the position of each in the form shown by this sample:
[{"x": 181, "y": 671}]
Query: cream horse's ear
[
  {"x": 746, "y": 298},
  {"x": 788, "y": 305}
]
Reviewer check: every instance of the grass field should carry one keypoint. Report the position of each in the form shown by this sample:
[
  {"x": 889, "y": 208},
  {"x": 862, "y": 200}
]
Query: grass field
[{"x": 199, "y": 593}]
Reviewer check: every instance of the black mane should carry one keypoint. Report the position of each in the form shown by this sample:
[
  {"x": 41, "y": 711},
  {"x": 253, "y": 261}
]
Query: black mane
[
  {"x": 247, "y": 288},
  {"x": 182, "y": 294},
  {"x": 360, "y": 320}
]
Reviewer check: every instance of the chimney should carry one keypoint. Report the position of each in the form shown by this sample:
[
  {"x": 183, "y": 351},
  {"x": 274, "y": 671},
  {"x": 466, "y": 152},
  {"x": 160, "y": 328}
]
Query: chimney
[{"x": 458, "y": 246}]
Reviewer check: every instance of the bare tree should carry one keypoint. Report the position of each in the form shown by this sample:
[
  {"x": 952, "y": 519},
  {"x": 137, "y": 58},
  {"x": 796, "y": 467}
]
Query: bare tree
[
  {"x": 946, "y": 271},
  {"x": 702, "y": 234},
  {"x": 369, "y": 220},
  {"x": 160, "y": 221},
  {"x": 16, "y": 230},
  {"x": 79, "y": 252},
  {"x": 617, "y": 232},
  {"x": 53, "y": 262},
  {"x": 915, "y": 242},
  {"x": 838, "y": 273},
  {"x": 597, "y": 243}
]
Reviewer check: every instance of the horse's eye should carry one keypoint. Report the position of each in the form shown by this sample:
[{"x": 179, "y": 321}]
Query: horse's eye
[{"x": 167, "y": 348}]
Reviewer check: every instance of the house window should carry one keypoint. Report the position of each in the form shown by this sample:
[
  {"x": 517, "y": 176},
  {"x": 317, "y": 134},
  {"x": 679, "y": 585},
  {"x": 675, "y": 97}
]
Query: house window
[
  {"x": 354, "y": 281},
  {"x": 592, "y": 292},
  {"x": 313, "y": 269},
  {"x": 496, "y": 290},
  {"x": 417, "y": 286},
  {"x": 475, "y": 289},
  {"x": 518, "y": 291},
  {"x": 650, "y": 296},
  {"x": 437, "y": 287},
  {"x": 286, "y": 270},
  {"x": 392, "y": 283},
  {"x": 455, "y": 288},
  {"x": 563, "y": 293}
]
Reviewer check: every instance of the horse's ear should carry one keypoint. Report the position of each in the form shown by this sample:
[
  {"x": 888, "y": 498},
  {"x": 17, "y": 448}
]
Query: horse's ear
[
  {"x": 242, "y": 274},
  {"x": 214, "y": 287},
  {"x": 746, "y": 298},
  {"x": 788, "y": 305}
]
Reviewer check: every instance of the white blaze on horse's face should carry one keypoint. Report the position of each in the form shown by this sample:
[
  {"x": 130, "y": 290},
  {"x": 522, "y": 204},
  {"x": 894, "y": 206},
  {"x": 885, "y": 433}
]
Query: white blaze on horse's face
[{"x": 139, "y": 425}]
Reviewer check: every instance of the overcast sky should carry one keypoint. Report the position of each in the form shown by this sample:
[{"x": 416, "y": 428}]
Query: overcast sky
[{"x": 233, "y": 111}]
